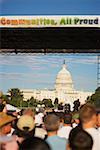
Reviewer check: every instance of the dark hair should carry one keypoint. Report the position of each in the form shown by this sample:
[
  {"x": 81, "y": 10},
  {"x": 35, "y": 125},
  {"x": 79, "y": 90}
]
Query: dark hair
[
  {"x": 1, "y": 107},
  {"x": 34, "y": 143},
  {"x": 67, "y": 118},
  {"x": 60, "y": 115},
  {"x": 25, "y": 134},
  {"x": 80, "y": 140}
]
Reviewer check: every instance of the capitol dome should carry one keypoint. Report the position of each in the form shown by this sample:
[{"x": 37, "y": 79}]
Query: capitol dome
[{"x": 64, "y": 80}]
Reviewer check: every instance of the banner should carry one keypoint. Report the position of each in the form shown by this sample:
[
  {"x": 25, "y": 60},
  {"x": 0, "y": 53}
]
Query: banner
[{"x": 49, "y": 21}]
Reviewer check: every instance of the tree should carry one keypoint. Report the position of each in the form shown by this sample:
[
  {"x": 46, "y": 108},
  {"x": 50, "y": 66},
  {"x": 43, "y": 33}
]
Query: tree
[
  {"x": 97, "y": 90},
  {"x": 1, "y": 93},
  {"x": 15, "y": 93},
  {"x": 47, "y": 102},
  {"x": 67, "y": 108},
  {"x": 32, "y": 102},
  {"x": 24, "y": 104},
  {"x": 76, "y": 105},
  {"x": 5, "y": 97},
  {"x": 56, "y": 102},
  {"x": 95, "y": 98},
  {"x": 16, "y": 97},
  {"x": 60, "y": 106}
]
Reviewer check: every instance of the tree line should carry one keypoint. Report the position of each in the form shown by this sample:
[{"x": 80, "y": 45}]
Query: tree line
[{"x": 15, "y": 97}]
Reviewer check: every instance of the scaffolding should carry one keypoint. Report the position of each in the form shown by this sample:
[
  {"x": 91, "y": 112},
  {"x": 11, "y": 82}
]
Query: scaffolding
[{"x": 98, "y": 71}]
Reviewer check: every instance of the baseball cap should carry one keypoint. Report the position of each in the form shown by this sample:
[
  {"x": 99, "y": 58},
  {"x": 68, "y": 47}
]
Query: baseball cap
[{"x": 76, "y": 116}]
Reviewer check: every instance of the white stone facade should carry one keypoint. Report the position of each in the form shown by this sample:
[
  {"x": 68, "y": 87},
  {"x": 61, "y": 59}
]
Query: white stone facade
[{"x": 64, "y": 90}]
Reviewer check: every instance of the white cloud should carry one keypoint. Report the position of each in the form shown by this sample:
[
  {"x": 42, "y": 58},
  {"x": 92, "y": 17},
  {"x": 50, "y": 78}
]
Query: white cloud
[
  {"x": 39, "y": 62},
  {"x": 25, "y": 76}
]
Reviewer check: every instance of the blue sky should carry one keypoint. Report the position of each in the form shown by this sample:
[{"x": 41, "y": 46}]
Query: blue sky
[
  {"x": 21, "y": 7},
  {"x": 39, "y": 71}
]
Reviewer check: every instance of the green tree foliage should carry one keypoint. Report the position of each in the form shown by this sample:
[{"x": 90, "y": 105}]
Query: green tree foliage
[
  {"x": 16, "y": 97},
  {"x": 33, "y": 102},
  {"x": 47, "y": 102},
  {"x": 95, "y": 98},
  {"x": 5, "y": 98},
  {"x": 24, "y": 104},
  {"x": 56, "y": 101},
  {"x": 15, "y": 93},
  {"x": 1, "y": 93}
]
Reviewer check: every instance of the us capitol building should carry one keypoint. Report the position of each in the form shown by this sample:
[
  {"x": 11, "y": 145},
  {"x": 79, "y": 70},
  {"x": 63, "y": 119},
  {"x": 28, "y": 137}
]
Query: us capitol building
[{"x": 64, "y": 90}]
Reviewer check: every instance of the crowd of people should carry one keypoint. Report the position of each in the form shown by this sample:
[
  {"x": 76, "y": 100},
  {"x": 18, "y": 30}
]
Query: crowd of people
[{"x": 50, "y": 129}]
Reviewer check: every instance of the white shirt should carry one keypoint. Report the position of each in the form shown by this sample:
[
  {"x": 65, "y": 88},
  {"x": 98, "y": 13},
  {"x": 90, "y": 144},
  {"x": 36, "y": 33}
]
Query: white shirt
[
  {"x": 96, "y": 137},
  {"x": 40, "y": 132},
  {"x": 38, "y": 118},
  {"x": 64, "y": 131},
  {"x": 99, "y": 129},
  {"x": 75, "y": 125}
]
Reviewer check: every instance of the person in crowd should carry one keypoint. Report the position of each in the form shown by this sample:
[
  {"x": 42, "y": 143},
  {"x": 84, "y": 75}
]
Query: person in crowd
[
  {"x": 76, "y": 120},
  {"x": 98, "y": 121},
  {"x": 89, "y": 119},
  {"x": 67, "y": 108},
  {"x": 76, "y": 105},
  {"x": 52, "y": 124},
  {"x": 67, "y": 127},
  {"x": 80, "y": 140},
  {"x": 9, "y": 143},
  {"x": 5, "y": 129},
  {"x": 25, "y": 129},
  {"x": 61, "y": 117},
  {"x": 39, "y": 129},
  {"x": 2, "y": 106},
  {"x": 40, "y": 132},
  {"x": 34, "y": 143},
  {"x": 29, "y": 112},
  {"x": 5, "y": 123}
]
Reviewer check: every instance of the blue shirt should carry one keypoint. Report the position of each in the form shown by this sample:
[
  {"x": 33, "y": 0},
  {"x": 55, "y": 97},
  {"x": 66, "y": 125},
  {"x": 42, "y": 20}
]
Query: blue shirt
[{"x": 57, "y": 143}]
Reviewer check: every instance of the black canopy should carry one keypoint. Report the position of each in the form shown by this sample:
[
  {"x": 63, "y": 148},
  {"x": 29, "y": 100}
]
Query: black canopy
[{"x": 50, "y": 40}]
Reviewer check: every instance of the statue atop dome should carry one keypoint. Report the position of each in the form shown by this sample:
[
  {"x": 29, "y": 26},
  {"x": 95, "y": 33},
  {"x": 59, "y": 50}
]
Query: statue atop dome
[{"x": 64, "y": 64}]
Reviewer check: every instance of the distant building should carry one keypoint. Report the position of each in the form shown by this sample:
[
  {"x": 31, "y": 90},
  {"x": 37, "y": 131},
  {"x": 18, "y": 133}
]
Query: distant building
[{"x": 64, "y": 90}]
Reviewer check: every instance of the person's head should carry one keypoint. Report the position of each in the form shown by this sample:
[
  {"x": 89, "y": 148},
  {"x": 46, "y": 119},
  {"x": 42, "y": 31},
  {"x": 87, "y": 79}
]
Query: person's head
[
  {"x": 1, "y": 97},
  {"x": 29, "y": 112},
  {"x": 98, "y": 120},
  {"x": 1, "y": 100},
  {"x": 9, "y": 143},
  {"x": 2, "y": 105},
  {"x": 76, "y": 118},
  {"x": 25, "y": 126},
  {"x": 5, "y": 123},
  {"x": 52, "y": 122},
  {"x": 80, "y": 140},
  {"x": 34, "y": 143},
  {"x": 88, "y": 115},
  {"x": 67, "y": 118},
  {"x": 60, "y": 115}
]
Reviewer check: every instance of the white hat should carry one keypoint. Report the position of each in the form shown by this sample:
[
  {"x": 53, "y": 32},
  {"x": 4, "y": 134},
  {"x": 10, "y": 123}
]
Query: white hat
[{"x": 26, "y": 121}]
